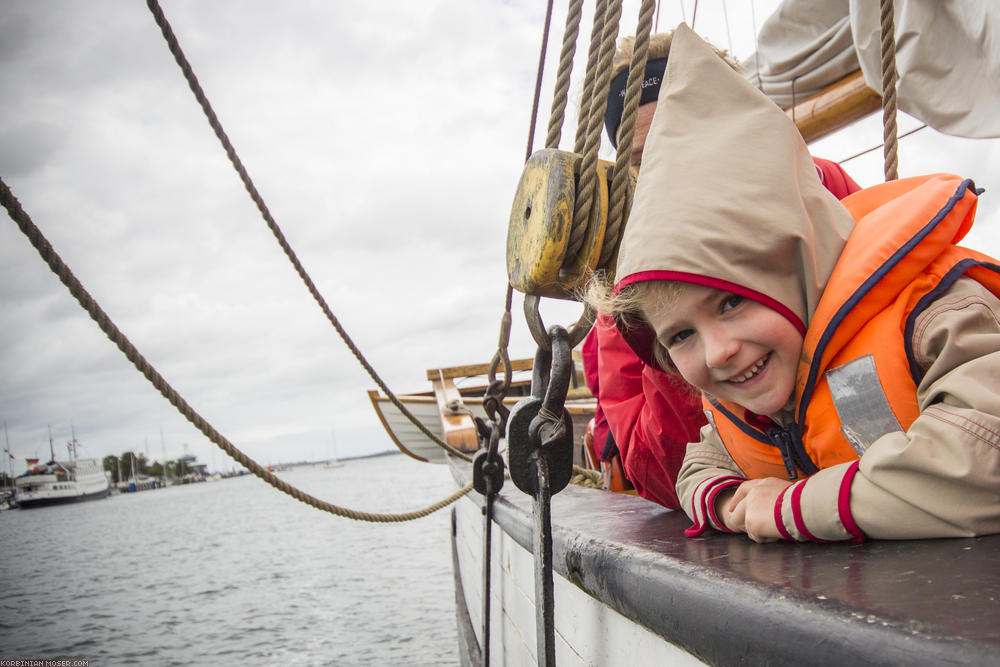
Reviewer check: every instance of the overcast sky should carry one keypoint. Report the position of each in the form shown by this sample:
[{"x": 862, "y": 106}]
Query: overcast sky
[{"x": 387, "y": 139}]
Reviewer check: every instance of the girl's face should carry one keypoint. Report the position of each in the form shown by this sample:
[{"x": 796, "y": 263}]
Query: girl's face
[{"x": 731, "y": 347}]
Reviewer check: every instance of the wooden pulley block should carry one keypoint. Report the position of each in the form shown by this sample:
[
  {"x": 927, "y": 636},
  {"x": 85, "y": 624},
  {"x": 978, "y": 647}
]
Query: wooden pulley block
[{"x": 541, "y": 223}]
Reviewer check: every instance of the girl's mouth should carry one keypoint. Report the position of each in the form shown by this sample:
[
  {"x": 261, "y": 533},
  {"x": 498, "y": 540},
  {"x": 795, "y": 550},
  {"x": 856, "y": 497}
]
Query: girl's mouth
[{"x": 752, "y": 371}]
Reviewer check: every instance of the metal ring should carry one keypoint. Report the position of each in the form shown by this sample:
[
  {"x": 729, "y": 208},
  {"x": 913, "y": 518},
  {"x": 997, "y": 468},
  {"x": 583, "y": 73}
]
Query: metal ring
[{"x": 577, "y": 332}]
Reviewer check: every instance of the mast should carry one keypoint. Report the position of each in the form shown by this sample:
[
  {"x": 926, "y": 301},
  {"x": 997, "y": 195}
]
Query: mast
[
  {"x": 9, "y": 469},
  {"x": 71, "y": 445},
  {"x": 163, "y": 453}
]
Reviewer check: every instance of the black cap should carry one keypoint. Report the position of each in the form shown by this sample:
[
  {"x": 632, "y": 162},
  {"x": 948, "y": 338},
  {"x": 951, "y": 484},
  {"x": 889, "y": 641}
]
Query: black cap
[{"x": 651, "y": 81}]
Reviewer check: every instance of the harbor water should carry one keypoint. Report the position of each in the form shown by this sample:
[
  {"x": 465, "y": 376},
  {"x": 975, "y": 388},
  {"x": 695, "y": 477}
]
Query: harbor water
[{"x": 234, "y": 572}]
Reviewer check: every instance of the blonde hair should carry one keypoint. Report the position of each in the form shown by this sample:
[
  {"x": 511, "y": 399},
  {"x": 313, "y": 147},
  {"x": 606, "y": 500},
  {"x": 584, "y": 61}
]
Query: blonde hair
[
  {"x": 634, "y": 304},
  {"x": 659, "y": 47}
]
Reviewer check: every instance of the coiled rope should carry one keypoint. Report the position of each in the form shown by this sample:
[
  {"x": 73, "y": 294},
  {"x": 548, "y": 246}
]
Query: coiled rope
[{"x": 58, "y": 266}]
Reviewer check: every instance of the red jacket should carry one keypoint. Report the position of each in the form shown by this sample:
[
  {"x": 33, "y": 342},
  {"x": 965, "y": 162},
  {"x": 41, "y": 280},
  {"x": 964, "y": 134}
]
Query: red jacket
[{"x": 651, "y": 414}]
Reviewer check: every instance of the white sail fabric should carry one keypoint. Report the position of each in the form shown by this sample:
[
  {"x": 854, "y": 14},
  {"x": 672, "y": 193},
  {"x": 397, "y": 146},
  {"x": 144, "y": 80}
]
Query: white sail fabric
[
  {"x": 803, "y": 47},
  {"x": 947, "y": 56},
  {"x": 948, "y": 59}
]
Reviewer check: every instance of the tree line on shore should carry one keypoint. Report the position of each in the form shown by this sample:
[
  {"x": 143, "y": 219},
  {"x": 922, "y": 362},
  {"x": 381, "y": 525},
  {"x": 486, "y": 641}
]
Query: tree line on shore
[{"x": 130, "y": 464}]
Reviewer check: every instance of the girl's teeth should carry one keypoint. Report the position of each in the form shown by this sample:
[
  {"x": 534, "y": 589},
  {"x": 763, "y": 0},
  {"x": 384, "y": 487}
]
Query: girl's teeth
[{"x": 750, "y": 373}]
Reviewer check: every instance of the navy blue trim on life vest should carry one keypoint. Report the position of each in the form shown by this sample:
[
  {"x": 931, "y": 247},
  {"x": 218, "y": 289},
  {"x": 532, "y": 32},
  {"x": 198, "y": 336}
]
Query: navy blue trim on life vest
[
  {"x": 859, "y": 294},
  {"x": 747, "y": 429},
  {"x": 953, "y": 274}
]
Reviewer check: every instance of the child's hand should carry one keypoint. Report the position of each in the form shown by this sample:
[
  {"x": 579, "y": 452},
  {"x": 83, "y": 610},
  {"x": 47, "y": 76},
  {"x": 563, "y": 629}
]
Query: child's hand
[
  {"x": 723, "y": 509},
  {"x": 752, "y": 508}
]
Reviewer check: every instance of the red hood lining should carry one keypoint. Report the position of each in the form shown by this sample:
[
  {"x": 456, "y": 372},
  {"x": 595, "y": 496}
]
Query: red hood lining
[{"x": 640, "y": 337}]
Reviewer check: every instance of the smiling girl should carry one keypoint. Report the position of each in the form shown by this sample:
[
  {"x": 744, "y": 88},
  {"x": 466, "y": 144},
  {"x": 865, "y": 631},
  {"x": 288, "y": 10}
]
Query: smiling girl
[{"x": 848, "y": 354}]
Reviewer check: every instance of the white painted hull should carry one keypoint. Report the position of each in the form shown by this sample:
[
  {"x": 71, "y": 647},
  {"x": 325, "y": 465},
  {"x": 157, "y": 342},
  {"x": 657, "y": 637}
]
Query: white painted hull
[
  {"x": 86, "y": 481},
  {"x": 588, "y": 631},
  {"x": 631, "y": 589}
]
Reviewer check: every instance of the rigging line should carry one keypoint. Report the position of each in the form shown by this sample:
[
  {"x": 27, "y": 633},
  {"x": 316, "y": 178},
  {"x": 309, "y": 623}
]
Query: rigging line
[
  {"x": 656, "y": 22},
  {"x": 876, "y": 147},
  {"x": 729, "y": 36},
  {"x": 756, "y": 45},
  {"x": 694, "y": 14},
  {"x": 538, "y": 80},
  {"x": 111, "y": 330},
  {"x": 502, "y": 355},
  {"x": 587, "y": 97},
  {"x": 586, "y": 190},
  {"x": 213, "y": 120}
]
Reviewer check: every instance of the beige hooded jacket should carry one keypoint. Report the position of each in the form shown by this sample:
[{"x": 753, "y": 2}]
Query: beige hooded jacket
[{"x": 727, "y": 197}]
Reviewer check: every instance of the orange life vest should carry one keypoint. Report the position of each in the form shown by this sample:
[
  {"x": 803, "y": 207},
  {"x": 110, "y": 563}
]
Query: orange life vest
[{"x": 857, "y": 376}]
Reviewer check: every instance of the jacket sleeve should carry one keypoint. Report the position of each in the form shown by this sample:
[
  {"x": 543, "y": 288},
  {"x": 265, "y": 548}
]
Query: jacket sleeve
[
  {"x": 707, "y": 470},
  {"x": 652, "y": 416},
  {"x": 834, "y": 178},
  {"x": 942, "y": 477},
  {"x": 589, "y": 355}
]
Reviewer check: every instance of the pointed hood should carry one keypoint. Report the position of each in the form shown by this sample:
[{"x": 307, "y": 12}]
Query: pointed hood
[{"x": 728, "y": 195}]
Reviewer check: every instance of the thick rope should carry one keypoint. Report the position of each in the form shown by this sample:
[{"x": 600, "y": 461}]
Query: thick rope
[
  {"x": 889, "y": 91},
  {"x": 49, "y": 255},
  {"x": 561, "y": 92},
  {"x": 593, "y": 53},
  {"x": 633, "y": 92},
  {"x": 588, "y": 166},
  {"x": 213, "y": 120},
  {"x": 587, "y": 478}
]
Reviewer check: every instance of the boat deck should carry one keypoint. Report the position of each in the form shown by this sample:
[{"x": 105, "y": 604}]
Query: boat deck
[{"x": 728, "y": 600}]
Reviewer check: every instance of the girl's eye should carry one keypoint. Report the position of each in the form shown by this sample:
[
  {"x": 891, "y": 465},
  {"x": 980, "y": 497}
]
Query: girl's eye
[
  {"x": 679, "y": 337},
  {"x": 731, "y": 301}
]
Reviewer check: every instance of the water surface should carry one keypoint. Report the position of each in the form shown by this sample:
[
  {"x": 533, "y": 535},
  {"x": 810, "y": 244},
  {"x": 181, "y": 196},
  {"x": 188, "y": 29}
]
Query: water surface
[{"x": 235, "y": 572}]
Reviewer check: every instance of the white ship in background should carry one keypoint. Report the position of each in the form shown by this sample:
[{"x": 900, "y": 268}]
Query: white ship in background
[{"x": 59, "y": 482}]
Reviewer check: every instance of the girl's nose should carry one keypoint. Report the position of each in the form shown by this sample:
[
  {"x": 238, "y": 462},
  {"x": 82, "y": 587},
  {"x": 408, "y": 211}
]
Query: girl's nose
[{"x": 720, "y": 348}]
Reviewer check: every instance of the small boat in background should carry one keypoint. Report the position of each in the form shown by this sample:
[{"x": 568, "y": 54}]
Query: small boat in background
[{"x": 456, "y": 398}]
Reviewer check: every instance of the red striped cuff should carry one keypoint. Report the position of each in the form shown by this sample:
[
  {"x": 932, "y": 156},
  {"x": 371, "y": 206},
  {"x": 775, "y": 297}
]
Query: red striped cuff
[
  {"x": 779, "y": 521},
  {"x": 844, "y": 503},
  {"x": 703, "y": 503},
  {"x": 800, "y": 523}
]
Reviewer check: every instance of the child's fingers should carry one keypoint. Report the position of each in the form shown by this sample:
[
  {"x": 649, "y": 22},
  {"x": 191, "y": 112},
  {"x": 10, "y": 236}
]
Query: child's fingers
[
  {"x": 741, "y": 493},
  {"x": 737, "y": 517}
]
